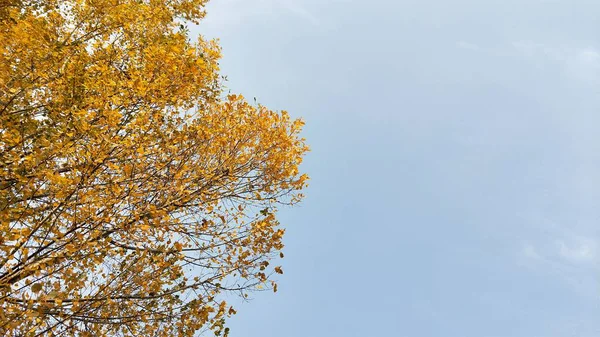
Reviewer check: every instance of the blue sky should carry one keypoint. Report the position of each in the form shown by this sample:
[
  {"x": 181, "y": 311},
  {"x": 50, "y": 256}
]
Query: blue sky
[{"x": 455, "y": 164}]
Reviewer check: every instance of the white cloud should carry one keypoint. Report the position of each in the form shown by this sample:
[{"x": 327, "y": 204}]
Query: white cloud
[
  {"x": 581, "y": 250},
  {"x": 579, "y": 62},
  {"x": 589, "y": 56},
  {"x": 585, "y": 64},
  {"x": 536, "y": 50},
  {"x": 467, "y": 45},
  {"x": 300, "y": 10},
  {"x": 530, "y": 252},
  {"x": 571, "y": 259}
]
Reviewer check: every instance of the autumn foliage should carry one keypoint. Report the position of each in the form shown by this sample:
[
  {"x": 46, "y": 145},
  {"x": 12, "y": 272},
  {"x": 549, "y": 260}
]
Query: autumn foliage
[{"x": 134, "y": 195}]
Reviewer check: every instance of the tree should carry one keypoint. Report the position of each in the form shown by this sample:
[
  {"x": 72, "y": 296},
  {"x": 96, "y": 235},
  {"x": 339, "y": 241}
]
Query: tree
[{"x": 134, "y": 195}]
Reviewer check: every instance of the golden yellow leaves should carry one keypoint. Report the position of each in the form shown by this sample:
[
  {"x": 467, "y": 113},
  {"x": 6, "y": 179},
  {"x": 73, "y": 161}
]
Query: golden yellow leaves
[
  {"x": 232, "y": 311},
  {"x": 178, "y": 246},
  {"x": 128, "y": 184},
  {"x": 36, "y": 287}
]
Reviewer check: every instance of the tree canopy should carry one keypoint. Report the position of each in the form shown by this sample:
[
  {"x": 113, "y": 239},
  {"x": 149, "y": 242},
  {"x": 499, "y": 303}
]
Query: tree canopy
[{"x": 134, "y": 194}]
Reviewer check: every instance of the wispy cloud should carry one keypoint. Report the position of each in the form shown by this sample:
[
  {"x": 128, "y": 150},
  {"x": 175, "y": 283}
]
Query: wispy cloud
[
  {"x": 301, "y": 11},
  {"x": 572, "y": 259},
  {"x": 530, "y": 252},
  {"x": 579, "y": 62},
  {"x": 580, "y": 250},
  {"x": 468, "y": 45}
]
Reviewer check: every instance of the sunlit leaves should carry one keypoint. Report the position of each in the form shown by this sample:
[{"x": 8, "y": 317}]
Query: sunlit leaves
[{"x": 133, "y": 194}]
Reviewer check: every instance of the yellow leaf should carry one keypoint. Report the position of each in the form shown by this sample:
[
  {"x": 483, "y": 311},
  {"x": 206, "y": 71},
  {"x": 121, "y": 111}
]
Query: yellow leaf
[
  {"x": 36, "y": 287},
  {"x": 119, "y": 153}
]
